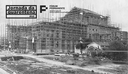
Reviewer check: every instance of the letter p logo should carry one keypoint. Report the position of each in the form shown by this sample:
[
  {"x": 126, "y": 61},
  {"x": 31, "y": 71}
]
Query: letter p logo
[{"x": 43, "y": 8}]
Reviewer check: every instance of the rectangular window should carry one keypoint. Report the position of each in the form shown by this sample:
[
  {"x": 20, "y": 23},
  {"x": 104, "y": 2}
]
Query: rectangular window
[{"x": 43, "y": 43}]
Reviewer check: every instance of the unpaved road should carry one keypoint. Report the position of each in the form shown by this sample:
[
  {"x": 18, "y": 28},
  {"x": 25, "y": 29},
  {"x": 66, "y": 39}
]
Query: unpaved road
[{"x": 57, "y": 63}]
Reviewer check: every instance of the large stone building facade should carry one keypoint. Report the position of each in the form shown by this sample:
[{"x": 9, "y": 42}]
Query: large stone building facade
[
  {"x": 63, "y": 34},
  {"x": 97, "y": 26}
]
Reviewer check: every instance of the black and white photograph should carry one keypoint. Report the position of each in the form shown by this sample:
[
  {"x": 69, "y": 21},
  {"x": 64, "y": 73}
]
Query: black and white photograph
[{"x": 63, "y": 36}]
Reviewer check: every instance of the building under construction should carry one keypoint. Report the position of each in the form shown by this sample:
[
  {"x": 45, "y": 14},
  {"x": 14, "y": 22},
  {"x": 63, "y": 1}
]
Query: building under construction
[{"x": 63, "y": 34}]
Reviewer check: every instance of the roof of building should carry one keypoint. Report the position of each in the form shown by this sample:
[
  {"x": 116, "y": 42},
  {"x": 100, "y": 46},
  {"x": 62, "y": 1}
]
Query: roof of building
[
  {"x": 87, "y": 11},
  {"x": 73, "y": 20},
  {"x": 79, "y": 11}
]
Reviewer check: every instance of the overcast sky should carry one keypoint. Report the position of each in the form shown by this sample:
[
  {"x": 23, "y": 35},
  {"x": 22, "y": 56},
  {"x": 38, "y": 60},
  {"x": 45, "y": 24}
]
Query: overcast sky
[{"x": 117, "y": 9}]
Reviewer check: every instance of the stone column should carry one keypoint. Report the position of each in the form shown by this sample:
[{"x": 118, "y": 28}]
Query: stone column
[{"x": 27, "y": 47}]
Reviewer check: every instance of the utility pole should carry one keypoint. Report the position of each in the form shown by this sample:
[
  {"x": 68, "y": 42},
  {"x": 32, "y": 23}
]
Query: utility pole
[
  {"x": 34, "y": 44},
  {"x": 81, "y": 45},
  {"x": 81, "y": 42},
  {"x": 81, "y": 22},
  {"x": 9, "y": 45}
]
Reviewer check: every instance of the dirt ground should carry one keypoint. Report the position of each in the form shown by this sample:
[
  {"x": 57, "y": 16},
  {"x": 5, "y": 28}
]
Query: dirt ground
[
  {"x": 105, "y": 65},
  {"x": 41, "y": 68},
  {"x": 35, "y": 67}
]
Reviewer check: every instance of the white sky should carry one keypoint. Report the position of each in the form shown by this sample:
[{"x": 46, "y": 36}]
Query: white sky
[{"x": 117, "y": 9}]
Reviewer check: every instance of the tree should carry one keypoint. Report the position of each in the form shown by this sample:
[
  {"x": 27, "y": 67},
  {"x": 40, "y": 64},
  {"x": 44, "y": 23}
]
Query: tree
[{"x": 117, "y": 46}]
